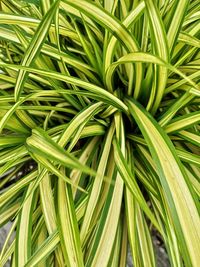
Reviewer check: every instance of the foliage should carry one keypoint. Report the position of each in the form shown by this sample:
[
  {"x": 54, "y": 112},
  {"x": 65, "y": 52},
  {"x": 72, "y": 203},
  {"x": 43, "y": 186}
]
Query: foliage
[{"x": 99, "y": 122}]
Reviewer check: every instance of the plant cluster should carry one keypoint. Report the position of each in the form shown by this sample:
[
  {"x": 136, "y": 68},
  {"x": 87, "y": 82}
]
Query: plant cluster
[{"x": 99, "y": 123}]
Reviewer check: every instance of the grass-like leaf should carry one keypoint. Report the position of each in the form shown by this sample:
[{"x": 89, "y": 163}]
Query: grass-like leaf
[{"x": 181, "y": 199}]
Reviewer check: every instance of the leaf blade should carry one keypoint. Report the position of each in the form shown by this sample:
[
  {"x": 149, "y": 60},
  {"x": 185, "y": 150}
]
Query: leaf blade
[{"x": 179, "y": 196}]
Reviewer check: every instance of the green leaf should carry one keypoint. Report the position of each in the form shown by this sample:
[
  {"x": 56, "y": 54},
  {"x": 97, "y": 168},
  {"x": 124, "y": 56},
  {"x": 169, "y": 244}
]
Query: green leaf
[
  {"x": 130, "y": 181},
  {"x": 40, "y": 143},
  {"x": 48, "y": 207},
  {"x": 183, "y": 122},
  {"x": 176, "y": 23},
  {"x": 103, "y": 95},
  {"x": 12, "y": 140},
  {"x": 104, "y": 238},
  {"x": 68, "y": 225},
  {"x": 160, "y": 46},
  {"x": 97, "y": 185},
  {"x": 44, "y": 250},
  {"x": 34, "y": 48},
  {"x": 113, "y": 25},
  {"x": 180, "y": 197},
  {"x": 146, "y": 58},
  {"x": 191, "y": 137},
  {"x": 24, "y": 229}
]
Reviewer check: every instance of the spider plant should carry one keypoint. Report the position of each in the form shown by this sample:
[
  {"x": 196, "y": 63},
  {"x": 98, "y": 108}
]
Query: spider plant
[{"x": 99, "y": 123}]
